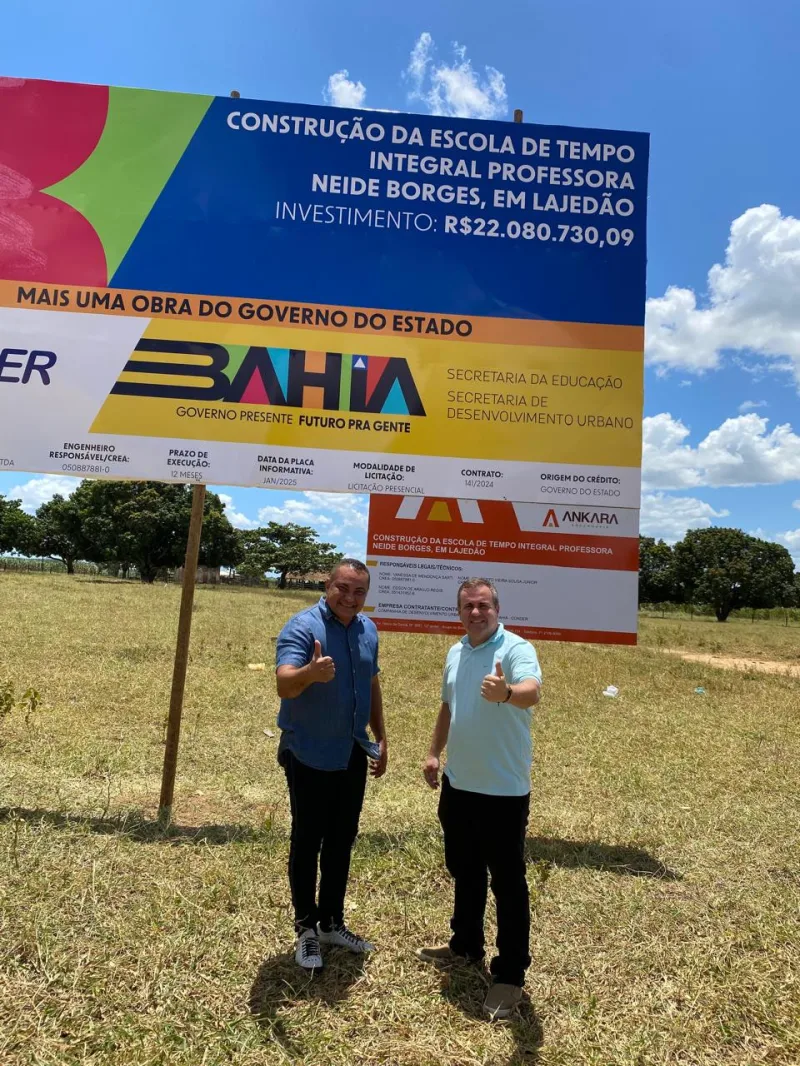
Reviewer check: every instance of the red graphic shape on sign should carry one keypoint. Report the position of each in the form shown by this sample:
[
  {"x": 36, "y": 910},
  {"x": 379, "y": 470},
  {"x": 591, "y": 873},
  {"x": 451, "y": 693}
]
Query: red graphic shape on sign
[
  {"x": 49, "y": 128},
  {"x": 48, "y": 131},
  {"x": 255, "y": 391},
  {"x": 43, "y": 239},
  {"x": 376, "y": 364}
]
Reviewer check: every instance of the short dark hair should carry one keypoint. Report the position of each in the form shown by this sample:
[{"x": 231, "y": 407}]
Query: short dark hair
[
  {"x": 351, "y": 564},
  {"x": 476, "y": 583}
]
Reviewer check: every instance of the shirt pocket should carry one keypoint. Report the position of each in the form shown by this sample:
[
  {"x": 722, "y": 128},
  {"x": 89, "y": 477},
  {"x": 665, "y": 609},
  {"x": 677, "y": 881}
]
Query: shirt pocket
[{"x": 364, "y": 657}]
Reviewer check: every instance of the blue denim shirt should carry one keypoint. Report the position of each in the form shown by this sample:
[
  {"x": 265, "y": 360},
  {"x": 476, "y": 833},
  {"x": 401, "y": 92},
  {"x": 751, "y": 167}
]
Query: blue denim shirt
[{"x": 320, "y": 725}]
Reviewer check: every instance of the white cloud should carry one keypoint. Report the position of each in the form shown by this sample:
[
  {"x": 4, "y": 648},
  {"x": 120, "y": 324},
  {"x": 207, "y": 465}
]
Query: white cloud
[
  {"x": 236, "y": 518},
  {"x": 341, "y": 92},
  {"x": 685, "y": 384},
  {"x": 796, "y": 504},
  {"x": 740, "y": 452},
  {"x": 751, "y": 304},
  {"x": 457, "y": 89},
  {"x": 348, "y": 510},
  {"x": 354, "y": 547},
  {"x": 669, "y": 517},
  {"x": 337, "y": 517},
  {"x": 419, "y": 61},
  {"x": 751, "y": 405},
  {"x": 40, "y": 490},
  {"x": 292, "y": 511},
  {"x": 791, "y": 540}
]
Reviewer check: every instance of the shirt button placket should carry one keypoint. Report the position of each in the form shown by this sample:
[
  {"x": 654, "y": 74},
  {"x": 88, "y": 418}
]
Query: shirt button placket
[{"x": 355, "y": 689}]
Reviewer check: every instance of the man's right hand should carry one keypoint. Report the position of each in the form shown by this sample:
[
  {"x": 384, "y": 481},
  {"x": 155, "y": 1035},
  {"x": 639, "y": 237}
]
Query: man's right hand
[
  {"x": 322, "y": 667},
  {"x": 430, "y": 771}
]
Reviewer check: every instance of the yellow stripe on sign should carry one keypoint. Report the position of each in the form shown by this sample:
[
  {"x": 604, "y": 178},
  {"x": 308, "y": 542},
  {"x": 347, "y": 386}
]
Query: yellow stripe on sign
[
  {"x": 171, "y": 380},
  {"x": 179, "y": 358}
]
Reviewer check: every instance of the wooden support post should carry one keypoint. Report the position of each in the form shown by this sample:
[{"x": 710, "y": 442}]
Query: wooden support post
[
  {"x": 181, "y": 657},
  {"x": 182, "y": 650},
  {"x": 518, "y": 114}
]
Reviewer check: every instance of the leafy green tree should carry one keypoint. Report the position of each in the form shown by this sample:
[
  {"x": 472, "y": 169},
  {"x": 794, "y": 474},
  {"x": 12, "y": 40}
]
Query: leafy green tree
[
  {"x": 728, "y": 569},
  {"x": 59, "y": 531},
  {"x": 146, "y": 524},
  {"x": 17, "y": 529},
  {"x": 656, "y": 571},
  {"x": 219, "y": 542},
  {"x": 287, "y": 549},
  {"x": 773, "y": 584},
  {"x": 252, "y": 560}
]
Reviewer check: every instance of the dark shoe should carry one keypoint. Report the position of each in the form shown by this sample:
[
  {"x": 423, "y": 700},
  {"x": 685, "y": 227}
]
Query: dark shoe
[
  {"x": 501, "y": 1000},
  {"x": 442, "y": 955}
]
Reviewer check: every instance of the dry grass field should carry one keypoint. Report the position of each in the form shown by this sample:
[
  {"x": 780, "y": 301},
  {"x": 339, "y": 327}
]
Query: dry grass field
[
  {"x": 663, "y": 846},
  {"x": 740, "y": 638}
]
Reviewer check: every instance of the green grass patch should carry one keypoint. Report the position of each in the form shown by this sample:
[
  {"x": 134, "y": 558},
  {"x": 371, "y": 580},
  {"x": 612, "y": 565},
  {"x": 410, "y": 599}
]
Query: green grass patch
[{"x": 663, "y": 849}]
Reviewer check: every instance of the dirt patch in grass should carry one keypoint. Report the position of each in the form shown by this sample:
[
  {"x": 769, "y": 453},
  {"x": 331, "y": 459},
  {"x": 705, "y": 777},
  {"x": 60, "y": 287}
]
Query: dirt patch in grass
[{"x": 731, "y": 662}]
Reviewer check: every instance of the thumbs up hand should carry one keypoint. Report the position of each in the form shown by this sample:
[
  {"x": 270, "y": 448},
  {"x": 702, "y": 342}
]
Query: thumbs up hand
[
  {"x": 494, "y": 687},
  {"x": 321, "y": 668}
]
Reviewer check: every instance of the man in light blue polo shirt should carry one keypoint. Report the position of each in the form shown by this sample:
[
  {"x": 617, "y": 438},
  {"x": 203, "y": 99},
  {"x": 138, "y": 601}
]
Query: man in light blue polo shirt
[
  {"x": 491, "y": 680},
  {"x": 328, "y": 683}
]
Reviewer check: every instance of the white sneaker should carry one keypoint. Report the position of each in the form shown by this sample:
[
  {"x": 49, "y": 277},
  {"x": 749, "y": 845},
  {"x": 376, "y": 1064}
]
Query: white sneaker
[
  {"x": 342, "y": 937},
  {"x": 307, "y": 953}
]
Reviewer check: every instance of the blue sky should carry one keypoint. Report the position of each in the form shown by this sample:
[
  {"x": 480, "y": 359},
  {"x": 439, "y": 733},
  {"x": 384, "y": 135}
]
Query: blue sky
[{"x": 716, "y": 85}]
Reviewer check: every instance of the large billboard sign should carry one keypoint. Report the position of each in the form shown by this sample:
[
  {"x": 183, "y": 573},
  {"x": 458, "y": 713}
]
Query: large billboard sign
[
  {"x": 562, "y": 571},
  {"x": 291, "y": 296}
]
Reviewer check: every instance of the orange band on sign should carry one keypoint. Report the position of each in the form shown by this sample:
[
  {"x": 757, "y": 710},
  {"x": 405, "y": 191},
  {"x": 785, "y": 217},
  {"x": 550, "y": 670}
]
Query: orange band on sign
[
  {"x": 438, "y": 531},
  {"x": 584, "y": 636},
  {"x": 328, "y": 318},
  {"x": 573, "y": 550}
]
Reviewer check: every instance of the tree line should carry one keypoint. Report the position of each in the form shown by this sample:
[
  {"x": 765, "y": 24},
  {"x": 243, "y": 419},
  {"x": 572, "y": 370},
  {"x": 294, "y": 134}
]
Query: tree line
[
  {"x": 141, "y": 527},
  {"x": 724, "y": 569}
]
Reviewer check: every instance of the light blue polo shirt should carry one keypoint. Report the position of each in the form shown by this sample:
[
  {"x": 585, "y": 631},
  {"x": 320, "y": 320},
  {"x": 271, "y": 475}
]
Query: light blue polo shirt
[{"x": 489, "y": 747}]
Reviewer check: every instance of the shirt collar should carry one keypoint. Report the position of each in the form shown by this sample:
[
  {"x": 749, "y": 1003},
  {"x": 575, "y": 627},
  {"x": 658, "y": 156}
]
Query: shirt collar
[
  {"x": 328, "y": 614},
  {"x": 493, "y": 639}
]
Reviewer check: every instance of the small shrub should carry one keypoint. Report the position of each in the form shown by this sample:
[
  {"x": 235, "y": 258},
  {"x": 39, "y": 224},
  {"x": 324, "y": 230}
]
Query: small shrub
[
  {"x": 27, "y": 704},
  {"x": 6, "y": 699}
]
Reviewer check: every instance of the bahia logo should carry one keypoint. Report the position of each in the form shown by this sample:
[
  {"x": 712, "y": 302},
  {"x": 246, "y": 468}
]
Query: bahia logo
[
  {"x": 34, "y": 364},
  {"x": 581, "y": 518},
  {"x": 283, "y": 377}
]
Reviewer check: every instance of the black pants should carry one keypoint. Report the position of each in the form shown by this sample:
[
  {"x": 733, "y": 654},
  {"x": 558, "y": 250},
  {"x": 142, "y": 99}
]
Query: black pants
[
  {"x": 486, "y": 835},
  {"x": 326, "y": 806}
]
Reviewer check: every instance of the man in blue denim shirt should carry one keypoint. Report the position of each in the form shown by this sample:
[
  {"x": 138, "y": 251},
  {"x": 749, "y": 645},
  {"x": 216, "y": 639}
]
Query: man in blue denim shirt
[{"x": 327, "y": 676}]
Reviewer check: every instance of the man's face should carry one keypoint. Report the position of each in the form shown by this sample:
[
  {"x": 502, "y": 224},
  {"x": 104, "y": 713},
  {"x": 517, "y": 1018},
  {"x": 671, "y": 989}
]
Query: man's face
[
  {"x": 478, "y": 614},
  {"x": 345, "y": 593}
]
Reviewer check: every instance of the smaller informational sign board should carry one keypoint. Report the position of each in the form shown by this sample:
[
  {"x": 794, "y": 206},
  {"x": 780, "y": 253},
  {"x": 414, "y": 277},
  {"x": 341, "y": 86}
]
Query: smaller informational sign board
[{"x": 562, "y": 572}]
